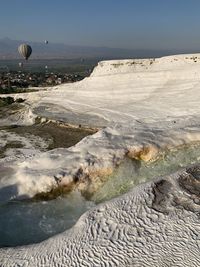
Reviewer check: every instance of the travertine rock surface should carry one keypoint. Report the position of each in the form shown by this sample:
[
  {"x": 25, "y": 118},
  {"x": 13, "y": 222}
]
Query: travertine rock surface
[{"x": 156, "y": 224}]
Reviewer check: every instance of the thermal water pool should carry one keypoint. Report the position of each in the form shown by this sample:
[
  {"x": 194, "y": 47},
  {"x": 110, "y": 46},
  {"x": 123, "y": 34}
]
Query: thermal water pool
[{"x": 26, "y": 222}]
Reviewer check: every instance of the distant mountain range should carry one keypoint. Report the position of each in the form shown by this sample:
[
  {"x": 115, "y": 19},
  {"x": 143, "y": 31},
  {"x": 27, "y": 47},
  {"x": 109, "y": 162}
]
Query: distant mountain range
[{"x": 9, "y": 50}]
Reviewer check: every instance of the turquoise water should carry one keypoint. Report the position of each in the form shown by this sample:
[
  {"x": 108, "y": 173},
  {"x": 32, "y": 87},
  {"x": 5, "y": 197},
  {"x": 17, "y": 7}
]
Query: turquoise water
[
  {"x": 26, "y": 222},
  {"x": 132, "y": 172}
]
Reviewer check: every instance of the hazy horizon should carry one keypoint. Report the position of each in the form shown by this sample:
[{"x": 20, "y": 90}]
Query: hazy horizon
[{"x": 41, "y": 50}]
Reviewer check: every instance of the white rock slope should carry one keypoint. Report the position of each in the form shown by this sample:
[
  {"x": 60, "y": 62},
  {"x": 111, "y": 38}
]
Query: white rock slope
[
  {"x": 144, "y": 104},
  {"x": 139, "y": 101}
]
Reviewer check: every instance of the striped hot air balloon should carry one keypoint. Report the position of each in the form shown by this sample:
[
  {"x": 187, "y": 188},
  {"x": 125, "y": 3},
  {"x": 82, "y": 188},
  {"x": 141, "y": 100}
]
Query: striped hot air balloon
[{"x": 25, "y": 50}]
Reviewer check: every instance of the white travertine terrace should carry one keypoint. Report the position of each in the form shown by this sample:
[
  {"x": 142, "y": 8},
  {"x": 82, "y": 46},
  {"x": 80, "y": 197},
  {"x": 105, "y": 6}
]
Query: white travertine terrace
[
  {"x": 137, "y": 102},
  {"x": 142, "y": 105}
]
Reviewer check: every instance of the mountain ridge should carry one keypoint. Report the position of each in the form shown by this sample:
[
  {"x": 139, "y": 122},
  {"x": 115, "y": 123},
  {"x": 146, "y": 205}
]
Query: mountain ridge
[{"x": 41, "y": 50}]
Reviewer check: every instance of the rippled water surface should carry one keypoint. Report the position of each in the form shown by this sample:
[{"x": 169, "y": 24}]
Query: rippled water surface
[{"x": 26, "y": 222}]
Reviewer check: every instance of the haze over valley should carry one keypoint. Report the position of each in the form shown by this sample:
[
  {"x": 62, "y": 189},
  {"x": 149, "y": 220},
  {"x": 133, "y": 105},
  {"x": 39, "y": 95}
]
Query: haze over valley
[{"x": 8, "y": 50}]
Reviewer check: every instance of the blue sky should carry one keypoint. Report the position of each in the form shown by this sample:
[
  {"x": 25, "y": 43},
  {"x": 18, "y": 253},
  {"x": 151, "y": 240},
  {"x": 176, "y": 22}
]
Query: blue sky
[{"x": 146, "y": 24}]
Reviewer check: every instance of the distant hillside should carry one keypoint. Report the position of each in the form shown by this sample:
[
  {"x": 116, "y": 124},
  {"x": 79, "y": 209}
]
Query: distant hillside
[{"x": 8, "y": 50}]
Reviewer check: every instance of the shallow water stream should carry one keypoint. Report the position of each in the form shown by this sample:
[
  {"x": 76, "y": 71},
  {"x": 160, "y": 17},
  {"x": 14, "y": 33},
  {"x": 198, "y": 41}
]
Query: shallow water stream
[
  {"x": 25, "y": 222},
  {"x": 130, "y": 172}
]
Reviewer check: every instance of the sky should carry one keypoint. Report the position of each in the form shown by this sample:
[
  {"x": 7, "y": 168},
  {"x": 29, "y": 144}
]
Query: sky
[{"x": 132, "y": 24}]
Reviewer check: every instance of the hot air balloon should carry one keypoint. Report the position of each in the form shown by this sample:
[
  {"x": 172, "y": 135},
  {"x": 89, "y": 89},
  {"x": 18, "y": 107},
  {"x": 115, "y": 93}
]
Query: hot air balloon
[
  {"x": 25, "y": 50},
  {"x": 46, "y": 42},
  {"x": 21, "y": 64}
]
